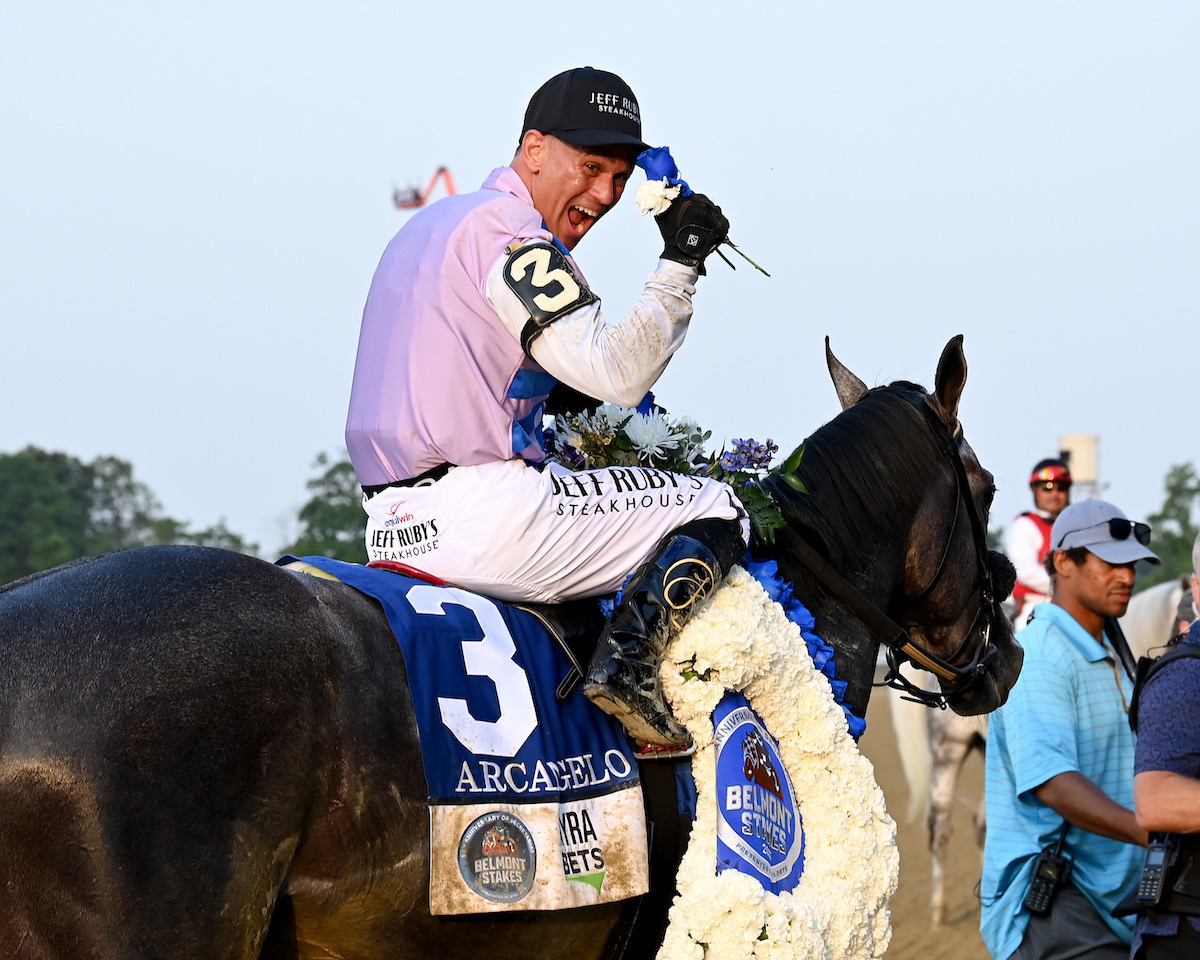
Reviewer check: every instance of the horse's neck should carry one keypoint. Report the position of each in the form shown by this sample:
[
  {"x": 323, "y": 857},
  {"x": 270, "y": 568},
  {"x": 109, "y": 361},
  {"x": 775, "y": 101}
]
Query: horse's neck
[
  {"x": 856, "y": 650},
  {"x": 872, "y": 560},
  {"x": 855, "y": 647}
]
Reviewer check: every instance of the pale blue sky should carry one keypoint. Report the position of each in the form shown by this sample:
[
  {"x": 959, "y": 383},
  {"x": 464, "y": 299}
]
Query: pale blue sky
[{"x": 193, "y": 199}]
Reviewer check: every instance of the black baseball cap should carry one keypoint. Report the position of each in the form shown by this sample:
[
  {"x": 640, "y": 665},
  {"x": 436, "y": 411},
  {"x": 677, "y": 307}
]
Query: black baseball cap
[{"x": 586, "y": 107}]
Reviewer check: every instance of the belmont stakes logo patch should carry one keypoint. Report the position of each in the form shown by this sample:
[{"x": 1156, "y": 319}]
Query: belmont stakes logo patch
[
  {"x": 497, "y": 857},
  {"x": 759, "y": 831}
]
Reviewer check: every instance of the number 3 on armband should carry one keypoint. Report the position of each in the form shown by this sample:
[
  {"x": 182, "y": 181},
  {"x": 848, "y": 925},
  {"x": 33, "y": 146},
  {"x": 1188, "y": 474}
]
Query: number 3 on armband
[{"x": 542, "y": 279}]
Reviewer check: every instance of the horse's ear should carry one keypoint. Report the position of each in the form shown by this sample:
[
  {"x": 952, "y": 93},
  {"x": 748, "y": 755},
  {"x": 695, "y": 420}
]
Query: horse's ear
[
  {"x": 849, "y": 388},
  {"x": 951, "y": 378}
]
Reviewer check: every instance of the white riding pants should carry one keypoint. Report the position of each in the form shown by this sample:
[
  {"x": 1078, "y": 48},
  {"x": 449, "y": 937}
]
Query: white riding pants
[{"x": 517, "y": 533}]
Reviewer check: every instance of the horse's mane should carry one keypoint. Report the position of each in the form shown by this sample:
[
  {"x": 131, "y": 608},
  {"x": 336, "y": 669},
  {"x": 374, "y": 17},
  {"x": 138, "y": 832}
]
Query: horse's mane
[{"x": 865, "y": 467}]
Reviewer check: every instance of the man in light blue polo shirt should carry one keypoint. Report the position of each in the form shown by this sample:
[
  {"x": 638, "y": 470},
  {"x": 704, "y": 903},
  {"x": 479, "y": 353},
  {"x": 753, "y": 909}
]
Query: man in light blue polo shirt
[{"x": 1060, "y": 754}]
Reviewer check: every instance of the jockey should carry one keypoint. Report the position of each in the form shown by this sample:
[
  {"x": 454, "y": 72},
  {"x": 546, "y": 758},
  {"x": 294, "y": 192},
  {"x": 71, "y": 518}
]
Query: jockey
[
  {"x": 1027, "y": 540},
  {"x": 476, "y": 310}
]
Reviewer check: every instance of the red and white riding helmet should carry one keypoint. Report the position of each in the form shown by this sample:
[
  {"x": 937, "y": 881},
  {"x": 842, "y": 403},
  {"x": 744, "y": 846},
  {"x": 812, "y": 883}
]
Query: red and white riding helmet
[{"x": 1050, "y": 471}]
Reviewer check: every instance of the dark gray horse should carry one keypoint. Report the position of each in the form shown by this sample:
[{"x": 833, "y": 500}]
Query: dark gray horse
[{"x": 204, "y": 755}]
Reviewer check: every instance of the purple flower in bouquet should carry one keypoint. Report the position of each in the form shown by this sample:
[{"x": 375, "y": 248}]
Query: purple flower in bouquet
[{"x": 748, "y": 454}]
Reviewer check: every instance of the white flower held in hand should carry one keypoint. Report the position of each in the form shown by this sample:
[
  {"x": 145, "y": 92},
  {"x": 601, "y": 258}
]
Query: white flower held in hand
[{"x": 654, "y": 196}]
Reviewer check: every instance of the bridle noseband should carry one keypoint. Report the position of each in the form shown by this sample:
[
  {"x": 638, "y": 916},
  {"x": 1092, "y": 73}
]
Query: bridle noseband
[{"x": 900, "y": 646}]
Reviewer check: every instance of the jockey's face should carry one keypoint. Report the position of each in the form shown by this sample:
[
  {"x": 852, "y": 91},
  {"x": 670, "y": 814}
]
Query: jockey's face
[
  {"x": 573, "y": 187},
  {"x": 1052, "y": 497}
]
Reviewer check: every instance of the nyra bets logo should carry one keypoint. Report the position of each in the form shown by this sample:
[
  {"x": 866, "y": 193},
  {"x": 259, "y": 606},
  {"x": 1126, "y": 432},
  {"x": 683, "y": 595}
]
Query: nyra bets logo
[
  {"x": 758, "y": 828},
  {"x": 497, "y": 857}
]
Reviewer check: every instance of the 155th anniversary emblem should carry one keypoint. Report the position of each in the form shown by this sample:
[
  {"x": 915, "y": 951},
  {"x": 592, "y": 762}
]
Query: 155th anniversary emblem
[
  {"x": 497, "y": 857},
  {"x": 759, "y": 831}
]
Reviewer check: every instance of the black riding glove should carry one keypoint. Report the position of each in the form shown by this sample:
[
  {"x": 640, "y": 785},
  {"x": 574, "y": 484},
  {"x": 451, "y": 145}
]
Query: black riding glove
[{"x": 692, "y": 228}]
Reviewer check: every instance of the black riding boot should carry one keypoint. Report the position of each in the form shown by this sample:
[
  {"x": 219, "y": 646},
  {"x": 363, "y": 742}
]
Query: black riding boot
[{"x": 622, "y": 678}]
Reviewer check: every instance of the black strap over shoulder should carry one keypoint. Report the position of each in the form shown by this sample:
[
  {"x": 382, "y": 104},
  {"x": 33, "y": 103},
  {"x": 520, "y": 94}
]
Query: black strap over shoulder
[
  {"x": 1112, "y": 629},
  {"x": 1148, "y": 667}
]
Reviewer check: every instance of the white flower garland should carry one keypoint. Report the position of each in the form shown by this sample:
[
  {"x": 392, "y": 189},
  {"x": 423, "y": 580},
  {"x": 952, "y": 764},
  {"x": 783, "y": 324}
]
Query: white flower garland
[{"x": 741, "y": 640}]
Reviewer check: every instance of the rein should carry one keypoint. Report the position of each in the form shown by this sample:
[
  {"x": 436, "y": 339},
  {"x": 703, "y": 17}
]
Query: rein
[{"x": 900, "y": 645}]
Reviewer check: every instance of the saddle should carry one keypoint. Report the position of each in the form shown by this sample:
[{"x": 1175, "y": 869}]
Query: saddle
[
  {"x": 575, "y": 624},
  {"x": 576, "y": 627}
]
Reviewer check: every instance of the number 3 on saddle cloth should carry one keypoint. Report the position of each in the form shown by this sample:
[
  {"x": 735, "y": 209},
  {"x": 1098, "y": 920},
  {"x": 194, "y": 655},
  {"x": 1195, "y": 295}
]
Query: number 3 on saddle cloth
[{"x": 535, "y": 803}]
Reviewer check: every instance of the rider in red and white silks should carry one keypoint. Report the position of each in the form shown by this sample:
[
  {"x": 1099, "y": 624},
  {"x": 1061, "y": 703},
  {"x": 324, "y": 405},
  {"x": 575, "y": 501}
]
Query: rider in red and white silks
[{"x": 1027, "y": 539}]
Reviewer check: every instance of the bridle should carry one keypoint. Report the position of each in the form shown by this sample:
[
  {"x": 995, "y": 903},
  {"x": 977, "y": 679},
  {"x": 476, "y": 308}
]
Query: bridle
[{"x": 956, "y": 678}]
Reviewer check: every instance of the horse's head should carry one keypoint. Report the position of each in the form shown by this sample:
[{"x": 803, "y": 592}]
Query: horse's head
[
  {"x": 886, "y": 510},
  {"x": 947, "y": 596}
]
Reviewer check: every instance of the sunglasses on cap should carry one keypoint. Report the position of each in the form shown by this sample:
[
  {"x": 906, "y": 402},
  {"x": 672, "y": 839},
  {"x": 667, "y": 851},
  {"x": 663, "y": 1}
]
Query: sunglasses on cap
[
  {"x": 1119, "y": 529},
  {"x": 1048, "y": 485}
]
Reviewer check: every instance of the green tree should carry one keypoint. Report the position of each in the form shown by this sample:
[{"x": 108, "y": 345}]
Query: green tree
[
  {"x": 332, "y": 521},
  {"x": 167, "y": 530},
  {"x": 1174, "y": 526},
  {"x": 44, "y": 503},
  {"x": 55, "y": 508}
]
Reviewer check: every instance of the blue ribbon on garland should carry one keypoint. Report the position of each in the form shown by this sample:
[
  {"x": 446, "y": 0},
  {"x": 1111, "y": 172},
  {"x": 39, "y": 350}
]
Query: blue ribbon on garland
[{"x": 766, "y": 572}]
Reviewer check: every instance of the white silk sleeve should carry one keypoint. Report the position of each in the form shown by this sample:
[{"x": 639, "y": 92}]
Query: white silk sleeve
[{"x": 613, "y": 361}]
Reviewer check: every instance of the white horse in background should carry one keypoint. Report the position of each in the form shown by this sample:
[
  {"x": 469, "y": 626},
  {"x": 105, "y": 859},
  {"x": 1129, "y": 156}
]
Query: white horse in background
[
  {"x": 1156, "y": 614},
  {"x": 934, "y": 744}
]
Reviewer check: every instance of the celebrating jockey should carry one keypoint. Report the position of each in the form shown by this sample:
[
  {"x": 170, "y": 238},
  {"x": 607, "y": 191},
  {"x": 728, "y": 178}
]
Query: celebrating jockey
[{"x": 476, "y": 310}]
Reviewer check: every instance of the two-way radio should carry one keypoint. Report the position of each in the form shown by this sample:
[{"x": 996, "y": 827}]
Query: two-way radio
[
  {"x": 1050, "y": 871},
  {"x": 1160, "y": 854}
]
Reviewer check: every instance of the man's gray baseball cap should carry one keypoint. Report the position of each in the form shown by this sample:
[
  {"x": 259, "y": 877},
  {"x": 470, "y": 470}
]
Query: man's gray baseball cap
[{"x": 1102, "y": 529}]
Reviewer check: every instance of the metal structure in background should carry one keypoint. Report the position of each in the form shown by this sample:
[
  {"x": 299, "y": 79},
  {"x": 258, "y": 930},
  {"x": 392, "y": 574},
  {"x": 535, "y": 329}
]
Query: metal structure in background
[
  {"x": 1081, "y": 451},
  {"x": 413, "y": 199}
]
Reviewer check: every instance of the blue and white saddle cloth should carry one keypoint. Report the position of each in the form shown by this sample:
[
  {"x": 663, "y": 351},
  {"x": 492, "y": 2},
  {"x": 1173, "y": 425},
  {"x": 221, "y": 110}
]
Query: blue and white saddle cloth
[{"x": 535, "y": 804}]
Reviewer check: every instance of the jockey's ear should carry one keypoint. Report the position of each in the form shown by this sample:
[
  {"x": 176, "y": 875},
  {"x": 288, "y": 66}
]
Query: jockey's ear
[
  {"x": 950, "y": 380},
  {"x": 532, "y": 151}
]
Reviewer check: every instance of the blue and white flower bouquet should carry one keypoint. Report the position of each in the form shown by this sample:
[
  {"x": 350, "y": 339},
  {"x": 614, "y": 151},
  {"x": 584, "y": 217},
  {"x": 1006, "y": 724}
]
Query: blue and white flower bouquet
[{"x": 616, "y": 436}]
